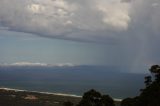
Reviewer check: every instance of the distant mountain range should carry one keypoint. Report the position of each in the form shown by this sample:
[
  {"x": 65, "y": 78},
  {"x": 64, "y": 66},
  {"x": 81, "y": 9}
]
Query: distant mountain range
[{"x": 29, "y": 64}]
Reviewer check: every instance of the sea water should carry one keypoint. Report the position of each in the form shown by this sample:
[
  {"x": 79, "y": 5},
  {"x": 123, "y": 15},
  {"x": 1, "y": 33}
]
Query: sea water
[{"x": 72, "y": 80}]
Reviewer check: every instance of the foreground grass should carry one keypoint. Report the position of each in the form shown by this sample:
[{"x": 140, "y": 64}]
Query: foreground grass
[{"x": 26, "y": 98}]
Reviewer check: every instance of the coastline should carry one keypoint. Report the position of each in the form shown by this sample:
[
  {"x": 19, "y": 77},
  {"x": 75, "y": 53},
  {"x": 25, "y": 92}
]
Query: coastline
[{"x": 50, "y": 93}]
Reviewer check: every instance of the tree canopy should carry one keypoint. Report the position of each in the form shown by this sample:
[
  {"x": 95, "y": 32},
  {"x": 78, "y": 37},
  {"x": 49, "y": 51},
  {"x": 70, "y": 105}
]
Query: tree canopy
[
  {"x": 94, "y": 98},
  {"x": 150, "y": 95}
]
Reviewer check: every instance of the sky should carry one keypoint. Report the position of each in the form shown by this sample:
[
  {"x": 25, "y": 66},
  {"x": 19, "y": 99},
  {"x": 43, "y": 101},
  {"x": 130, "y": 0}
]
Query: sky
[{"x": 119, "y": 33}]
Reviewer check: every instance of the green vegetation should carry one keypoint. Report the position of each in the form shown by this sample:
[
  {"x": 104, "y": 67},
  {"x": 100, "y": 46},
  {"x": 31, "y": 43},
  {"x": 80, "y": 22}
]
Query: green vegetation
[
  {"x": 68, "y": 103},
  {"x": 150, "y": 95},
  {"x": 94, "y": 98},
  {"x": 23, "y": 98}
]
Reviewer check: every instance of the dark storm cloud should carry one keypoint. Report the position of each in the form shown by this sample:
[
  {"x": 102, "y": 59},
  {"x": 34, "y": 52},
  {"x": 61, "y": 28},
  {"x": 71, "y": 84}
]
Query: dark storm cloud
[{"x": 134, "y": 25}]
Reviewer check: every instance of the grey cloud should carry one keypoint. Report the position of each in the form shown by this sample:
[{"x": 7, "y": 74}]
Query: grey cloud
[
  {"x": 62, "y": 19},
  {"x": 126, "y": 1},
  {"x": 88, "y": 20},
  {"x": 143, "y": 33},
  {"x": 134, "y": 24}
]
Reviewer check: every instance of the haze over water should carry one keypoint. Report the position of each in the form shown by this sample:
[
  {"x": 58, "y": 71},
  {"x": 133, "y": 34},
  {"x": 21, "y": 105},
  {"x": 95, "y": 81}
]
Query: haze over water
[{"x": 71, "y": 79}]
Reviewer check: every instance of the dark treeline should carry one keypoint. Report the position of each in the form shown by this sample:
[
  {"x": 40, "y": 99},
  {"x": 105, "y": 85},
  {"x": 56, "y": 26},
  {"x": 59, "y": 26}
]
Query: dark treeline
[{"x": 150, "y": 95}]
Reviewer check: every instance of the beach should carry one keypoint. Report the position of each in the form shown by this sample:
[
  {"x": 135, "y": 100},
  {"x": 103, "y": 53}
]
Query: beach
[
  {"x": 16, "y": 97},
  {"x": 50, "y": 93},
  {"x": 56, "y": 99}
]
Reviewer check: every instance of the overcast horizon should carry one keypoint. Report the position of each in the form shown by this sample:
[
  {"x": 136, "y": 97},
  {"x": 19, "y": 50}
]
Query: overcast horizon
[{"x": 118, "y": 33}]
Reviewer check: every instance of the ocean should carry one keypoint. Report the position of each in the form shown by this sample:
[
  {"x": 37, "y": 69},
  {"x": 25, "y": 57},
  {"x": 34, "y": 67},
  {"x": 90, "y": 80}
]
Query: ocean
[{"x": 72, "y": 80}]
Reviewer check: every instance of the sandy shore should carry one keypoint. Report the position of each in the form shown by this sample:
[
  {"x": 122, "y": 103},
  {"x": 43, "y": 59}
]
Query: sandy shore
[{"x": 58, "y": 94}]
